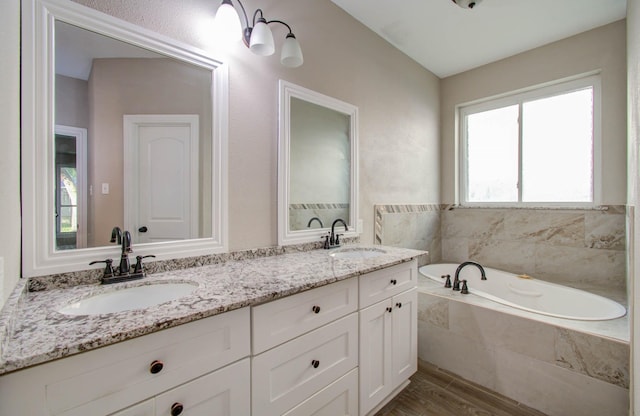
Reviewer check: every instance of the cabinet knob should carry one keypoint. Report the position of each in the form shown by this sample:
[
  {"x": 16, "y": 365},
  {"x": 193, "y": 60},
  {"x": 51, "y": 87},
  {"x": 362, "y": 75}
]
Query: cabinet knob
[
  {"x": 394, "y": 282},
  {"x": 176, "y": 409},
  {"x": 156, "y": 366},
  {"x": 389, "y": 309},
  {"x": 399, "y": 305},
  {"x": 315, "y": 363},
  {"x": 316, "y": 309}
]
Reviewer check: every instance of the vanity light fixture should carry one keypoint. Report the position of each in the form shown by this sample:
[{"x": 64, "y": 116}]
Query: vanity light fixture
[{"x": 257, "y": 36}]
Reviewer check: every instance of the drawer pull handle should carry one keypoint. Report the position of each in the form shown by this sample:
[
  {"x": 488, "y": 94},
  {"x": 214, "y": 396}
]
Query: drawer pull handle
[
  {"x": 389, "y": 309},
  {"x": 394, "y": 282},
  {"x": 399, "y": 305},
  {"x": 316, "y": 309},
  {"x": 176, "y": 409},
  {"x": 315, "y": 363},
  {"x": 156, "y": 367}
]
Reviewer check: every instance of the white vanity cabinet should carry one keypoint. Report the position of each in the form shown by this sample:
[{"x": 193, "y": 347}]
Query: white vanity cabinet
[
  {"x": 312, "y": 364},
  {"x": 388, "y": 333},
  {"x": 190, "y": 365},
  {"x": 341, "y": 349}
]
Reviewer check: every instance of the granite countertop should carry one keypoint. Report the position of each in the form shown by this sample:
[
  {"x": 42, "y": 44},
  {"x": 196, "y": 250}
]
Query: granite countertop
[{"x": 33, "y": 332}]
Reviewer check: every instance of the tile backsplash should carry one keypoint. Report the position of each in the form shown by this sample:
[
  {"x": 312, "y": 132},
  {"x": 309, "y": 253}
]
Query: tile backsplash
[
  {"x": 414, "y": 226},
  {"x": 576, "y": 247}
]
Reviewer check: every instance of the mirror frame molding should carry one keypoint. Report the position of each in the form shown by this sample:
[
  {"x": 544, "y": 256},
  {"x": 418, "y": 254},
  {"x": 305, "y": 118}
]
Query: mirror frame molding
[
  {"x": 39, "y": 256},
  {"x": 287, "y": 90}
]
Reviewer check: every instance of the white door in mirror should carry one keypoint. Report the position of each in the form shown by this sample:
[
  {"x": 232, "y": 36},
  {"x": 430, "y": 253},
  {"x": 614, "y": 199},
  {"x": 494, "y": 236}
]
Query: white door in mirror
[{"x": 161, "y": 176}]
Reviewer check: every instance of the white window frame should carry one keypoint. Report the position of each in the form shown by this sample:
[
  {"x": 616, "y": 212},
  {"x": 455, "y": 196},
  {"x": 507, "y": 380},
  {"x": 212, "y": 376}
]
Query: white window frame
[{"x": 518, "y": 98}]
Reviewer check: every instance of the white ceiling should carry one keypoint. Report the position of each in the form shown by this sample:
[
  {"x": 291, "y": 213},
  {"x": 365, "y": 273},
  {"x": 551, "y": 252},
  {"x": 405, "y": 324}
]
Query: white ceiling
[
  {"x": 447, "y": 39},
  {"x": 76, "y": 48}
]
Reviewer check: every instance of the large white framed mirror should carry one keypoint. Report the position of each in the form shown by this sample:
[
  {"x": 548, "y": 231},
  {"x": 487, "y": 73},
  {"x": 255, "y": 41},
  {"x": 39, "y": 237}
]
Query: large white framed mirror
[
  {"x": 317, "y": 165},
  {"x": 121, "y": 127}
]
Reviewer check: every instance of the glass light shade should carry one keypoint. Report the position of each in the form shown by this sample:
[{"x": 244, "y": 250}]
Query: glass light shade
[
  {"x": 227, "y": 22},
  {"x": 262, "y": 39},
  {"x": 291, "y": 52}
]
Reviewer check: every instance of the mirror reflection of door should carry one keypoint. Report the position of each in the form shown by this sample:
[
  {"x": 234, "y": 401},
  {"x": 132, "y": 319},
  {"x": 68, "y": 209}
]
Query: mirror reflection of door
[
  {"x": 161, "y": 177},
  {"x": 70, "y": 195}
]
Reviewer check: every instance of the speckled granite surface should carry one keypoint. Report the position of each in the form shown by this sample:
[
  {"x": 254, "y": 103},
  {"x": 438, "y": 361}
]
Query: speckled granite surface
[{"x": 33, "y": 332}]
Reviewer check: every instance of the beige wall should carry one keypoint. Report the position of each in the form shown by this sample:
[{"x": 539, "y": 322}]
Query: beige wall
[
  {"x": 599, "y": 49},
  {"x": 398, "y": 102},
  {"x": 72, "y": 102},
  {"x": 633, "y": 124},
  {"x": 10, "y": 155}
]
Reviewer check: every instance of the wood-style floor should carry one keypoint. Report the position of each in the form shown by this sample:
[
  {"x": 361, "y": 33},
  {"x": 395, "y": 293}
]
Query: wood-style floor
[{"x": 436, "y": 392}]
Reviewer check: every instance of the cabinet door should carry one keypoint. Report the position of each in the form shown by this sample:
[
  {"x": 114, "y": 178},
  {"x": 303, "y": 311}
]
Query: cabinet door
[
  {"x": 404, "y": 336},
  {"x": 224, "y": 392},
  {"x": 375, "y": 355}
]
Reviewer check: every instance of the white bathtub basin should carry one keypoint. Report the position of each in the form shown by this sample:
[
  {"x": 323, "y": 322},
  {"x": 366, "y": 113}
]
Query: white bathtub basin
[
  {"x": 357, "y": 253},
  {"x": 131, "y": 298},
  {"x": 530, "y": 294}
]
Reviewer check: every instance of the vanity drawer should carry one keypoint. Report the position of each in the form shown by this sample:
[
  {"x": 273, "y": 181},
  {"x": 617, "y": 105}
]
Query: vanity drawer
[
  {"x": 281, "y": 320},
  {"x": 221, "y": 393},
  {"x": 110, "y": 378},
  {"x": 381, "y": 284},
  {"x": 285, "y": 376},
  {"x": 338, "y": 399}
]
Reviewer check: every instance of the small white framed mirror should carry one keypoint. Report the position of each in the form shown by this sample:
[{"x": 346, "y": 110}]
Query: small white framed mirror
[{"x": 317, "y": 165}]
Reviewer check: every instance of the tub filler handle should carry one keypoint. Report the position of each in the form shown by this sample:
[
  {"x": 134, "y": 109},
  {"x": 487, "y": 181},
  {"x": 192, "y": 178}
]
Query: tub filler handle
[{"x": 447, "y": 283}]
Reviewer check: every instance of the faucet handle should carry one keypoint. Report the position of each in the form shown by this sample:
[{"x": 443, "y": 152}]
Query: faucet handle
[
  {"x": 108, "y": 269},
  {"x": 139, "y": 267},
  {"x": 326, "y": 241},
  {"x": 465, "y": 289},
  {"x": 447, "y": 283},
  {"x": 337, "y": 242}
]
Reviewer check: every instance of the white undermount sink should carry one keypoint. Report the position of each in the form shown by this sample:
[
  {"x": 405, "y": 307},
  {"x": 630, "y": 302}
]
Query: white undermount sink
[
  {"x": 131, "y": 298},
  {"x": 357, "y": 253}
]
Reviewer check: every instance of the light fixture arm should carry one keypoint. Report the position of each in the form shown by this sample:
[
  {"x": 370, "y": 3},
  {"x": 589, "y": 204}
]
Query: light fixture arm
[
  {"x": 255, "y": 14},
  {"x": 246, "y": 31},
  {"x": 244, "y": 13},
  {"x": 282, "y": 23},
  {"x": 257, "y": 36}
]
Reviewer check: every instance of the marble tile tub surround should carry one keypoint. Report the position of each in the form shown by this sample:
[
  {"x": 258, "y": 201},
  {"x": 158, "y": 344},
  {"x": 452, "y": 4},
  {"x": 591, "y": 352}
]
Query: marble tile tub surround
[
  {"x": 584, "y": 248},
  {"x": 579, "y": 247},
  {"x": 552, "y": 368},
  {"x": 414, "y": 226},
  {"x": 33, "y": 332}
]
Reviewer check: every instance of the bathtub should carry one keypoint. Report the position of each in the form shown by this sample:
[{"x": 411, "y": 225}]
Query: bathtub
[{"x": 529, "y": 294}]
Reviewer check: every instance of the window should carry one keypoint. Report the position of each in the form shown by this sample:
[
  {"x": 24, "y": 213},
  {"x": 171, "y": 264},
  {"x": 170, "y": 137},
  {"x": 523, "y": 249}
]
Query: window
[{"x": 539, "y": 147}]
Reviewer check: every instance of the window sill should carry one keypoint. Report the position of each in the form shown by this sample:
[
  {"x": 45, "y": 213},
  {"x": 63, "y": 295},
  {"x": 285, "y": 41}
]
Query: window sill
[{"x": 613, "y": 208}]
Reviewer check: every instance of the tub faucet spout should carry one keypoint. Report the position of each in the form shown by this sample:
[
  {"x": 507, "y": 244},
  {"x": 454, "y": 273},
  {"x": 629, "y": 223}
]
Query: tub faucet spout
[{"x": 456, "y": 279}]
